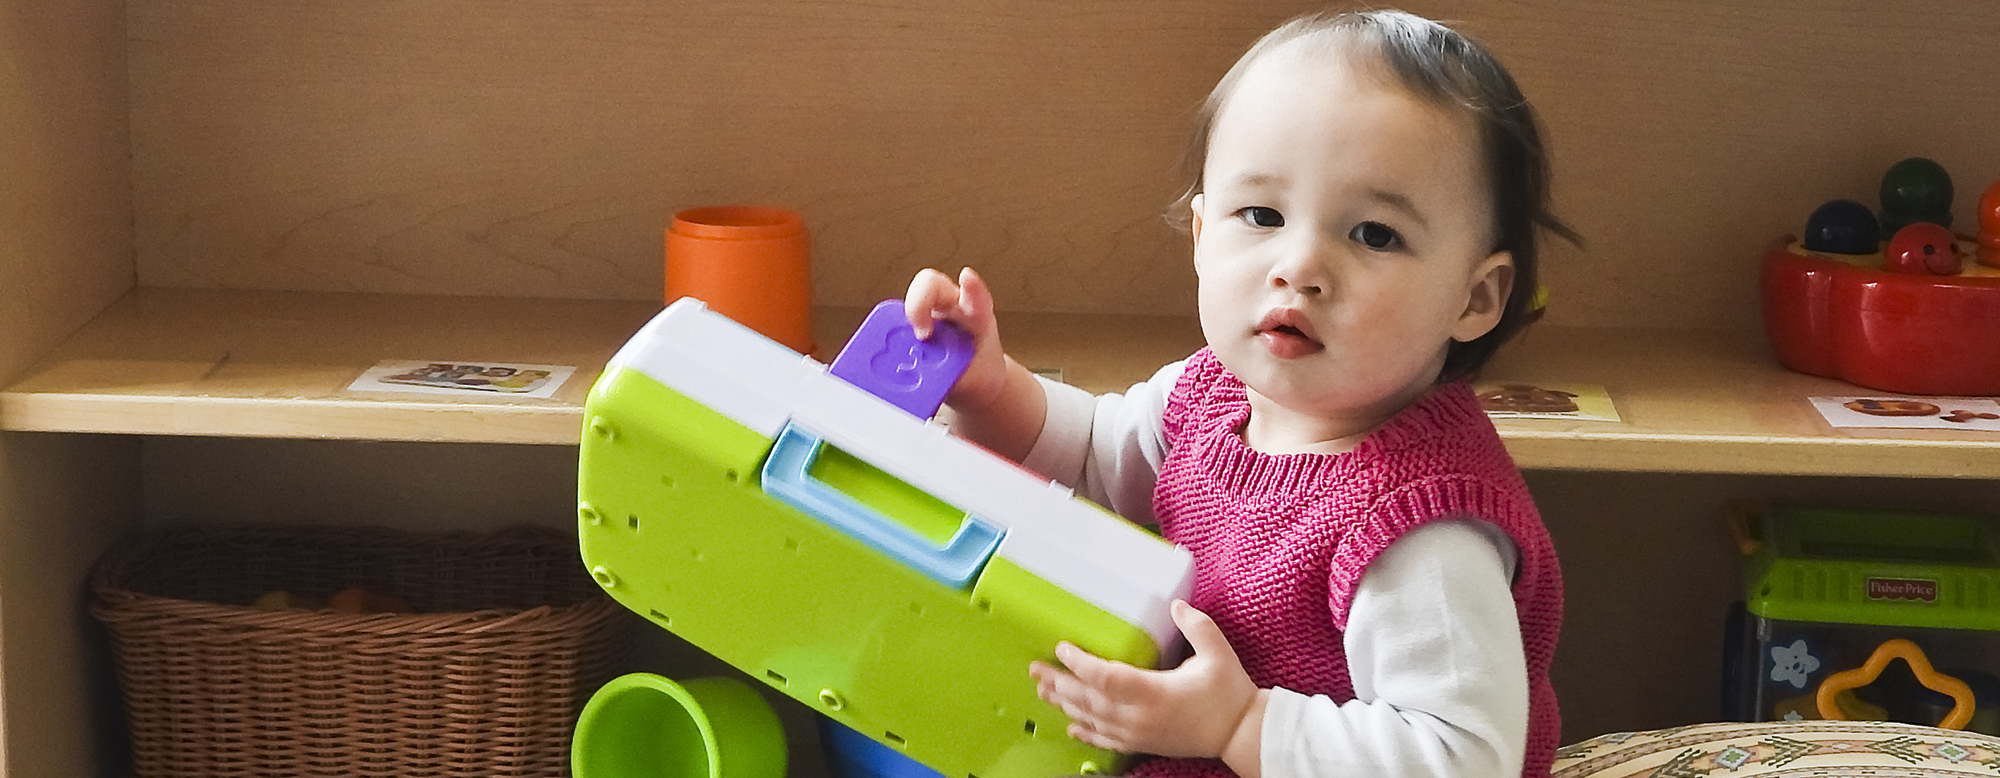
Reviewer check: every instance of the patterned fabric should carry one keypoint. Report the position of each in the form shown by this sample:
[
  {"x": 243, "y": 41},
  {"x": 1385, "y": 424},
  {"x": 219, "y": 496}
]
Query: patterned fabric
[
  {"x": 1280, "y": 542},
  {"x": 1783, "y": 749}
]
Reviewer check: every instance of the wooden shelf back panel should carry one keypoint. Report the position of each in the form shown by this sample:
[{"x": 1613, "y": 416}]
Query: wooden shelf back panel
[{"x": 535, "y": 149}]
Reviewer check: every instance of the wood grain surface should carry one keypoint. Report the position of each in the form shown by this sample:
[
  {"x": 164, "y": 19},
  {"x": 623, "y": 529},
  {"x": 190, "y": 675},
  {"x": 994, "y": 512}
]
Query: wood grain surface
[
  {"x": 527, "y": 147},
  {"x": 65, "y": 253}
]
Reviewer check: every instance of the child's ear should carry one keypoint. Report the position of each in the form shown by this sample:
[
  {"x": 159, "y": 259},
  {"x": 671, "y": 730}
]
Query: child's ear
[
  {"x": 1492, "y": 280},
  {"x": 1194, "y": 229},
  {"x": 1194, "y": 205}
]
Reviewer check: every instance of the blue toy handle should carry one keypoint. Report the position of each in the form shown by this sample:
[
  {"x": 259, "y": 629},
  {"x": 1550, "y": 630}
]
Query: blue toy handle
[{"x": 788, "y": 477}]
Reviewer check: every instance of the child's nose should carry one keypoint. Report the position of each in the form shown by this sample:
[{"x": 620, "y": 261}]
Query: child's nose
[
  {"x": 1301, "y": 270},
  {"x": 1309, "y": 290}
]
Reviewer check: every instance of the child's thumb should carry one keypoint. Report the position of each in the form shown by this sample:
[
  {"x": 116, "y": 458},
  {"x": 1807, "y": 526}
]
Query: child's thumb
[{"x": 1201, "y": 631}]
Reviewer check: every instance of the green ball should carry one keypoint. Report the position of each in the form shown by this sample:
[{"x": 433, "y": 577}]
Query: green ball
[{"x": 1917, "y": 188}]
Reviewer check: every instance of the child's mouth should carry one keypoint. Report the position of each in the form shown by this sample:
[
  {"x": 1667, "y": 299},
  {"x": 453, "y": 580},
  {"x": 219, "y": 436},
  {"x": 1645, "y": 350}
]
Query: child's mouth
[{"x": 1285, "y": 334}]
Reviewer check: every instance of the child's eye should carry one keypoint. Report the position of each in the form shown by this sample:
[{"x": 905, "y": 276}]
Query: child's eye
[
  {"x": 1375, "y": 235},
  {"x": 1262, "y": 217}
]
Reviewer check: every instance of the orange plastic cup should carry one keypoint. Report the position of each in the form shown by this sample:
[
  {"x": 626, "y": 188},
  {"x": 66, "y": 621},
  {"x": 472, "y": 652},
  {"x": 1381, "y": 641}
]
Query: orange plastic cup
[{"x": 749, "y": 263}]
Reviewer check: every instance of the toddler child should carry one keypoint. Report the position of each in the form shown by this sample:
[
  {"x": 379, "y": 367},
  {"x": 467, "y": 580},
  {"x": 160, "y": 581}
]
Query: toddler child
[{"x": 1375, "y": 594}]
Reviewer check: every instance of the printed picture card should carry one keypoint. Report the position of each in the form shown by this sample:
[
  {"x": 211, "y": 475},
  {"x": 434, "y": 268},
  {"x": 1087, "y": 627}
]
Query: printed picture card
[
  {"x": 1555, "y": 401},
  {"x": 424, "y": 376},
  {"x": 1888, "y": 411}
]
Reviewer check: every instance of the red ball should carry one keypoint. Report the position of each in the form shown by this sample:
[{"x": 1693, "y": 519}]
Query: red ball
[{"x": 1923, "y": 247}]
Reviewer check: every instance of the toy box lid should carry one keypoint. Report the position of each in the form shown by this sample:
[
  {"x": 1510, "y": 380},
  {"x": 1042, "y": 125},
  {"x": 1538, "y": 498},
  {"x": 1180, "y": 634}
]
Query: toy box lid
[
  {"x": 1047, "y": 530},
  {"x": 1877, "y": 567}
]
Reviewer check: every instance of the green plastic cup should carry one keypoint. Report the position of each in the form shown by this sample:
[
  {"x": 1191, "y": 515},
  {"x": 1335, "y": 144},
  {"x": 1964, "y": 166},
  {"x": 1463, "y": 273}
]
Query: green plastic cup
[{"x": 646, "y": 726}]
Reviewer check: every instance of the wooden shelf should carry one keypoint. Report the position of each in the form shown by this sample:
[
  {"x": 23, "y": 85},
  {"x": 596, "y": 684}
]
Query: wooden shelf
[
  {"x": 277, "y": 364},
  {"x": 1690, "y": 401},
  {"x": 1711, "y": 402}
]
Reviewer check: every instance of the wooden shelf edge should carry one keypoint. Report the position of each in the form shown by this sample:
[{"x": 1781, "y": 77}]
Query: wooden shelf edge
[
  {"x": 1754, "y": 455},
  {"x": 270, "y": 418}
]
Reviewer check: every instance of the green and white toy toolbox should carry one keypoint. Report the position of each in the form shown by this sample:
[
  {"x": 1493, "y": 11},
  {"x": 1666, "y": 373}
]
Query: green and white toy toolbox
[{"x": 910, "y": 606}]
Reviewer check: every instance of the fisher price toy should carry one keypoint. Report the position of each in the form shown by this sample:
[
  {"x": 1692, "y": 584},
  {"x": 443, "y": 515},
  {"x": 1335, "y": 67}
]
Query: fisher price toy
[
  {"x": 832, "y": 542},
  {"x": 1919, "y": 315},
  {"x": 1866, "y": 614}
]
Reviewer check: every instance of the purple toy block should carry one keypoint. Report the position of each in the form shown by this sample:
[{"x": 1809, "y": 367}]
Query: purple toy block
[{"x": 885, "y": 357}]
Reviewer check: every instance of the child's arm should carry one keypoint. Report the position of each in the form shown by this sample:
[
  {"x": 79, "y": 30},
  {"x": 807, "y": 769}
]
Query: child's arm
[
  {"x": 1433, "y": 648},
  {"x": 997, "y": 402},
  {"x": 1440, "y": 680},
  {"x": 1107, "y": 447}
]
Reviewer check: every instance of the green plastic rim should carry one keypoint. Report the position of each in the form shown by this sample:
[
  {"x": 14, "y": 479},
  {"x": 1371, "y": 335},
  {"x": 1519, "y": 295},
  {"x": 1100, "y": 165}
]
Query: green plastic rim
[{"x": 646, "y": 726}]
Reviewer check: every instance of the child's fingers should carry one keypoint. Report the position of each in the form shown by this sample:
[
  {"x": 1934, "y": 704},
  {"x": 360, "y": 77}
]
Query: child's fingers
[
  {"x": 1091, "y": 737},
  {"x": 1100, "y": 693},
  {"x": 1046, "y": 677},
  {"x": 971, "y": 307},
  {"x": 1086, "y": 666},
  {"x": 975, "y": 299},
  {"x": 1074, "y": 698},
  {"x": 931, "y": 296}
]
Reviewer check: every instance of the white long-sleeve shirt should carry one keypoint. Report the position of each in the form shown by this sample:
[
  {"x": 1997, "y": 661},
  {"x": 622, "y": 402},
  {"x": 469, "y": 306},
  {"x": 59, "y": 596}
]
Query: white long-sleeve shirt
[{"x": 1433, "y": 643}]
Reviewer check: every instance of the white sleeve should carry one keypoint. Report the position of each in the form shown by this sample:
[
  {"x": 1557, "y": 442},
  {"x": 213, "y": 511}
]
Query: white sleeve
[
  {"x": 1440, "y": 677},
  {"x": 1106, "y": 447}
]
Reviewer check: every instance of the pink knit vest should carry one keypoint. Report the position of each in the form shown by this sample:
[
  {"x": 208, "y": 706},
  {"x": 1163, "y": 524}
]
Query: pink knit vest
[{"x": 1280, "y": 542}]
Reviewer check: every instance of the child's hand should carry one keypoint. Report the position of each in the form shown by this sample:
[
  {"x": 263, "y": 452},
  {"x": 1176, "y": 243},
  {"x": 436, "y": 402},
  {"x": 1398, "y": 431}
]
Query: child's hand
[
  {"x": 1193, "y": 710},
  {"x": 969, "y": 304}
]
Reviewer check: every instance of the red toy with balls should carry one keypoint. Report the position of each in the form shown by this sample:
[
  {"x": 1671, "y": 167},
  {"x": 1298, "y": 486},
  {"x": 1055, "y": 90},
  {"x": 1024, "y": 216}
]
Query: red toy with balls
[{"x": 1920, "y": 315}]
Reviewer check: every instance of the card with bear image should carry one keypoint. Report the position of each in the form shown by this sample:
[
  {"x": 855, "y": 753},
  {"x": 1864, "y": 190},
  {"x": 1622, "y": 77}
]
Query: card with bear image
[{"x": 1554, "y": 401}]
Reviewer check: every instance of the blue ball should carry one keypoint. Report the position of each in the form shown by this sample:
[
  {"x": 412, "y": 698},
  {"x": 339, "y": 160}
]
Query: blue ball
[{"x": 1843, "y": 227}]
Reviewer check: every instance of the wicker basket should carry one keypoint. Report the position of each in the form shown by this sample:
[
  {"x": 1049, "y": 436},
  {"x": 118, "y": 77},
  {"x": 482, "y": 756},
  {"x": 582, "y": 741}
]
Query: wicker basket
[{"x": 510, "y": 639}]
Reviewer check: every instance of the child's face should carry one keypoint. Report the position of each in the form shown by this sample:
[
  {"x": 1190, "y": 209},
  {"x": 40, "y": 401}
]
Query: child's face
[{"x": 1344, "y": 237}]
